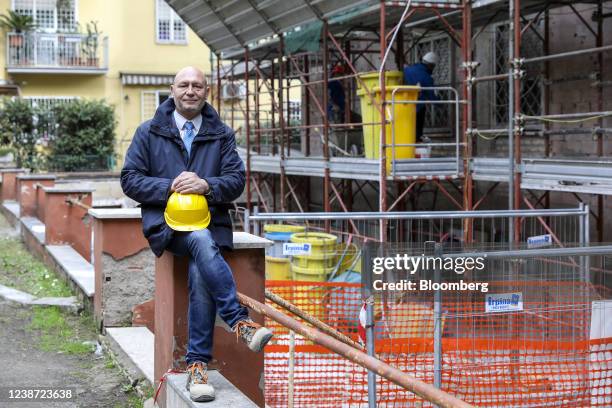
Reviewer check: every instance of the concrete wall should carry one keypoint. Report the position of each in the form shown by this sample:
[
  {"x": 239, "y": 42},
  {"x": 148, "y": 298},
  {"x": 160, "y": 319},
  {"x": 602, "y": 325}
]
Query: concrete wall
[{"x": 128, "y": 278}]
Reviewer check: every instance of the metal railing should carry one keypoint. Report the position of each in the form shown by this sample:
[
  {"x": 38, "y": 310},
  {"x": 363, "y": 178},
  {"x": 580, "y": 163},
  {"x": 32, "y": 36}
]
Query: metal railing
[
  {"x": 565, "y": 226},
  {"x": 397, "y": 100},
  {"x": 56, "y": 51}
]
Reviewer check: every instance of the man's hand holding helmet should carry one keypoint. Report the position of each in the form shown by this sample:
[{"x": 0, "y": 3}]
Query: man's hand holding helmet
[{"x": 189, "y": 183}]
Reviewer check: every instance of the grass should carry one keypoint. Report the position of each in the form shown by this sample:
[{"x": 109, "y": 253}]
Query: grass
[
  {"x": 57, "y": 333},
  {"x": 109, "y": 363},
  {"x": 56, "y": 330},
  {"x": 134, "y": 401},
  {"x": 148, "y": 392},
  {"x": 20, "y": 270}
]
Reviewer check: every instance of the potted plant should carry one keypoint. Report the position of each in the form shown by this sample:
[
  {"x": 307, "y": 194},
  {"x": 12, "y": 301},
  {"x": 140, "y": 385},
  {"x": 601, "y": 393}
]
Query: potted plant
[
  {"x": 17, "y": 23},
  {"x": 91, "y": 44}
]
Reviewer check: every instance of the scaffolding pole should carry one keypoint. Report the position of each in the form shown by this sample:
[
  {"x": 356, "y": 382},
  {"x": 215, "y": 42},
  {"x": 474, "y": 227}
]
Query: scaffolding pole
[
  {"x": 598, "y": 49},
  {"x": 247, "y": 129},
  {"x": 517, "y": 111},
  {"x": 468, "y": 184},
  {"x": 510, "y": 119}
]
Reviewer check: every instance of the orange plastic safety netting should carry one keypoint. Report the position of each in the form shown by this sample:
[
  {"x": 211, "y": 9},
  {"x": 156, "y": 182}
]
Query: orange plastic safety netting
[{"x": 543, "y": 355}]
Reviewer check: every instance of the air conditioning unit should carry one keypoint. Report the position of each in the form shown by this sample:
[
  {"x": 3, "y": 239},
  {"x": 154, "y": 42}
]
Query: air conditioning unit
[{"x": 233, "y": 91}]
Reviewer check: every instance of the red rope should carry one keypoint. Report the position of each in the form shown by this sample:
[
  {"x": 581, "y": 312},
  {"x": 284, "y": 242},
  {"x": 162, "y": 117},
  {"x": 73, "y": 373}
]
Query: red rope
[{"x": 163, "y": 379}]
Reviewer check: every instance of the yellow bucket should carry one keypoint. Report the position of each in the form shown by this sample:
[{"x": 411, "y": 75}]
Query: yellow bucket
[
  {"x": 320, "y": 241},
  {"x": 300, "y": 273},
  {"x": 371, "y": 81},
  {"x": 404, "y": 122},
  {"x": 316, "y": 261},
  {"x": 322, "y": 257},
  {"x": 277, "y": 268},
  {"x": 279, "y": 234},
  {"x": 283, "y": 228}
]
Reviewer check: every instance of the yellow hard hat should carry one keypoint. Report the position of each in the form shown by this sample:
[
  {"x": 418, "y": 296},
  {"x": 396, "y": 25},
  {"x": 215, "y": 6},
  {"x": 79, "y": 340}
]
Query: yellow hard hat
[{"x": 187, "y": 212}]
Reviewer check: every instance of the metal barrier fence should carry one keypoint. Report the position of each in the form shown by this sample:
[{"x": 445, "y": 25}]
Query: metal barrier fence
[
  {"x": 555, "y": 350},
  {"x": 570, "y": 225}
]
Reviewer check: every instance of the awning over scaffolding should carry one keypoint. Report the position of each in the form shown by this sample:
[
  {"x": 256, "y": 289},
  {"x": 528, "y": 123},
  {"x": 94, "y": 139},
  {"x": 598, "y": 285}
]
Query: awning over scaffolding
[{"x": 229, "y": 26}]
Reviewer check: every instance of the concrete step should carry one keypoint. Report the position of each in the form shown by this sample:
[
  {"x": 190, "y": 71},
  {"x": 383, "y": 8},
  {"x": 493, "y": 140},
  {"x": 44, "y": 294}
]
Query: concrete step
[
  {"x": 75, "y": 266},
  {"x": 136, "y": 347},
  {"x": 227, "y": 395},
  {"x": 11, "y": 211},
  {"x": 35, "y": 227}
]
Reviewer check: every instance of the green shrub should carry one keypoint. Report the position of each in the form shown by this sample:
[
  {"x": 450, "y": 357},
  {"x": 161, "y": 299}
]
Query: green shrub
[
  {"x": 19, "y": 123},
  {"x": 85, "y": 136},
  {"x": 4, "y": 150}
]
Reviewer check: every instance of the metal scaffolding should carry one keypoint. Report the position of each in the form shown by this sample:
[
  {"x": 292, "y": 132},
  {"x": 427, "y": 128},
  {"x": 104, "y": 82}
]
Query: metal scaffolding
[{"x": 282, "y": 152}]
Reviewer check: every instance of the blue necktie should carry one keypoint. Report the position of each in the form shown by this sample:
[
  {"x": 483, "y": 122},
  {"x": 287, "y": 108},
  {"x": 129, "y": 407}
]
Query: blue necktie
[{"x": 189, "y": 135}]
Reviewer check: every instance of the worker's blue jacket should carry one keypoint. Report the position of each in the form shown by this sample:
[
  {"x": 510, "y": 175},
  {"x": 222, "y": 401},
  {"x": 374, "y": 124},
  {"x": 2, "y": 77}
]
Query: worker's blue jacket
[
  {"x": 418, "y": 74},
  {"x": 157, "y": 155}
]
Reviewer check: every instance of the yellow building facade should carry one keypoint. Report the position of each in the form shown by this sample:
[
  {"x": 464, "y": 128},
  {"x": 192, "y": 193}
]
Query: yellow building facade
[{"x": 129, "y": 62}]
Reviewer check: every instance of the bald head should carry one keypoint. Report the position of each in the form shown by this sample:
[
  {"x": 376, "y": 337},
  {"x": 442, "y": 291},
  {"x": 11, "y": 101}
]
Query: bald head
[
  {"x": 189, "y": 91},
  {"x": 189, "y": 72}
]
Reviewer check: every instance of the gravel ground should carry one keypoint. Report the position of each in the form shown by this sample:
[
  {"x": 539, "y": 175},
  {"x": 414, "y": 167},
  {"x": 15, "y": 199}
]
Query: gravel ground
[{"x": 25, "y": 364}]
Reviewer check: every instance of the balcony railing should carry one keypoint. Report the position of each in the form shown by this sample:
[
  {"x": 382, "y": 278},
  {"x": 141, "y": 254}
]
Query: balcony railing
[{"x": 70, "y": 53}]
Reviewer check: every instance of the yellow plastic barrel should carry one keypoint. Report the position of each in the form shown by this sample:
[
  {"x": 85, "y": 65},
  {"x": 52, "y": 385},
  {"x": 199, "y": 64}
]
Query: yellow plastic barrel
[
  {"x": 322, "y": 258},
  {"x": 404, "y": 122},
  {"x": 277, "y": 264},
  {"x": 315, "y": 261},
  {"x": 370, "y": 79},
  {"x": 320, "y": 241},
  {"x": 283, "y": 228},
  {"x": 315, "y": 267},
  {"x": 310, "y": 274},
  {"x": 278, "y": 268}
]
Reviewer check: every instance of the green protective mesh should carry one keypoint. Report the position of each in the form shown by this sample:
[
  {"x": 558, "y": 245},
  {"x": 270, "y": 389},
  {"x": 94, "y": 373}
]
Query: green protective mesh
[
  {"x": 306, "y": 39},
  {"x": 309, "y": 36},
  {"x": 348, "y": 15}
]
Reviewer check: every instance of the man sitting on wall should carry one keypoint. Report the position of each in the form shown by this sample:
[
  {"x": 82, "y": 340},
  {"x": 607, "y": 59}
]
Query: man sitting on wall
[{"x": 186, "y": 149}]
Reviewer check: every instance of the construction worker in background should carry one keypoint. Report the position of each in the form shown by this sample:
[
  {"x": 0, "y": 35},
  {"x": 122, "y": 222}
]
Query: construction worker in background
[
  {"x": 180, "y": 165},
  {"x": 420, "y": 74},
  {"x": 337, "y": 97}
]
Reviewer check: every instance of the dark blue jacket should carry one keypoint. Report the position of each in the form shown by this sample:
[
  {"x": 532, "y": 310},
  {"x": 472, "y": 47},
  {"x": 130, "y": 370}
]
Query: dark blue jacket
[
  {"x": 157, "y": 155},
  {"x": 418, "y": 74}
]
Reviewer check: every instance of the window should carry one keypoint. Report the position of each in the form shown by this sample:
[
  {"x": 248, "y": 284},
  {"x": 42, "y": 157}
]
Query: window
[
  {"x": 293, "y": 111},
  {"x": 150, "y": 100},
  {"x": 531, "y": 84},
  {"x": 46, "y": 103},
  {"x": 49, "y": 15},
  {"x": 169, "y": 26}
]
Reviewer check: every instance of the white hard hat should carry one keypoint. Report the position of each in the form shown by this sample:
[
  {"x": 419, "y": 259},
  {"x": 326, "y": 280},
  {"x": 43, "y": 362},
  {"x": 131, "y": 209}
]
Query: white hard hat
[{"x": 431, "y": 58}]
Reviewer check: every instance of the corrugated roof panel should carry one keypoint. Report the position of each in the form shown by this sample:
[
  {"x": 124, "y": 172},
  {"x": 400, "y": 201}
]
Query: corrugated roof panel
[
  {"x": 227, "y": 25},
  {"x": 223, "y": 25}
]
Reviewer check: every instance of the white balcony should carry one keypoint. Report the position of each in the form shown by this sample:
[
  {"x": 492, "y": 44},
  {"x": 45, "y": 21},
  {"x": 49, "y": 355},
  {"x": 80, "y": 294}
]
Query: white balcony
[{"x": 56, "y": 53}]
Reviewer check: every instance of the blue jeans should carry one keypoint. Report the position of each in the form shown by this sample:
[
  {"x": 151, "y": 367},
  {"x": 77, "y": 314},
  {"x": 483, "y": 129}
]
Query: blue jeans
[{"x": 212, "y": 290}]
